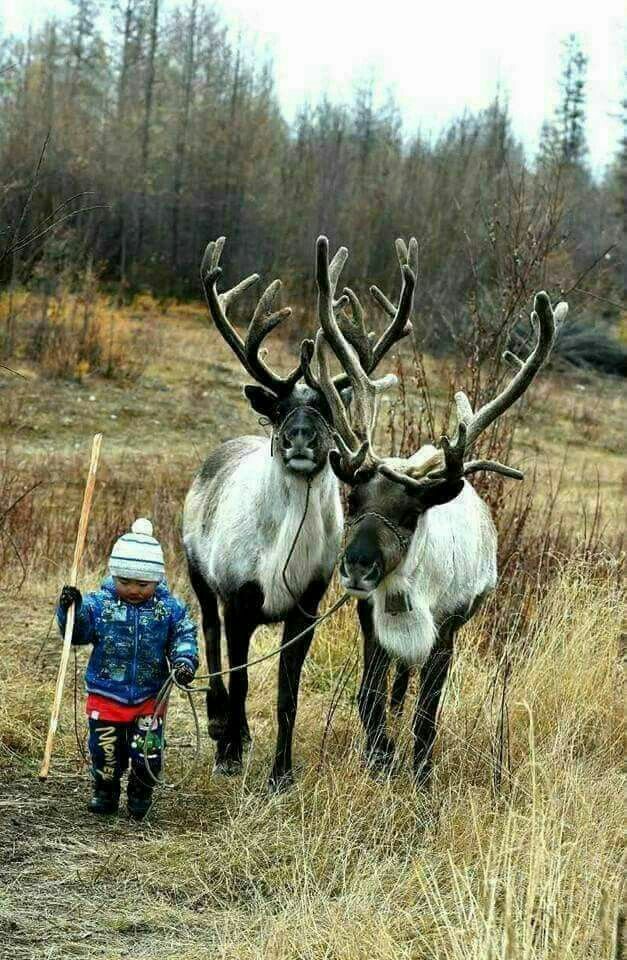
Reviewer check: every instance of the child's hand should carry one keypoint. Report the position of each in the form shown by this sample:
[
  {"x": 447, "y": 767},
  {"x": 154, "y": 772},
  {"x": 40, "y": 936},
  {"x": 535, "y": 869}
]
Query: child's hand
[
  {"x": 183, "y": 674},
  {"x": 70, "y": 595}
]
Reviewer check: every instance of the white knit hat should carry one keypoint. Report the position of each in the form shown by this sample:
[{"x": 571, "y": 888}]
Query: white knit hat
[{"x": 137, "y": 555}]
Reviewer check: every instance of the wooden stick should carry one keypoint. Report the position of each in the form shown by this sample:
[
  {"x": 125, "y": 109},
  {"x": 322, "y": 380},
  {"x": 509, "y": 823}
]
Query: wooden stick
[{"x": 69, "y": 626}]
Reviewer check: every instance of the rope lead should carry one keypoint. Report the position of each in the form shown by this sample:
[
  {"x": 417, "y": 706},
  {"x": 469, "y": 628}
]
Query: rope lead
[{"x": 165, "y": 691}]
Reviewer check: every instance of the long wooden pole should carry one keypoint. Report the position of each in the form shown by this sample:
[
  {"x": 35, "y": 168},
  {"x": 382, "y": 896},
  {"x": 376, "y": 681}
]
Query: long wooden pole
[{"x": 69, "y": 626}]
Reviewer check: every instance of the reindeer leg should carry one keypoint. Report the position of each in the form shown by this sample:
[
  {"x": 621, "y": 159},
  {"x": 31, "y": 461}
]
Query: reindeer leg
[
  {"x": 240, "y": 621},
  {"x": 290, "y": 666},
  {"x": 399, "y": 688},
  {"x": 432, "y": 678},
  {"x": 217, "y": 697},
  {"x": 372, "y": 694}
]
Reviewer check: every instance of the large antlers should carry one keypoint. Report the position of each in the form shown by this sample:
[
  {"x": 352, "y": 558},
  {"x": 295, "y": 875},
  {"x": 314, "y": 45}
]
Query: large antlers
[
  {"x": 545, "y": 321},
  {"x": 353, "y": 326},
  {"x": 264, "y": 320},
  {"x": 352, "y": 347}
]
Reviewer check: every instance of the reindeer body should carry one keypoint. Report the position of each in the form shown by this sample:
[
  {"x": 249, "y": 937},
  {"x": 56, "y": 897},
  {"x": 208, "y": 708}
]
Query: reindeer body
[
  {"x": 241, "y": 520},
  {"x": 449, "y": 566},
  {"x": 446, "y": 566},
  {"x": 249, "y": 520},
  {"x": 421, "y": 553}
]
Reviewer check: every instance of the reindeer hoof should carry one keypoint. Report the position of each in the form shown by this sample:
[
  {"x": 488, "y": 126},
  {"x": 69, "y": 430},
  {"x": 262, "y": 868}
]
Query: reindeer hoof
[
  {"x": 380, "y": 758},
  {"x": 280, "y": 782},
  {"x": 227, "y": 768}
]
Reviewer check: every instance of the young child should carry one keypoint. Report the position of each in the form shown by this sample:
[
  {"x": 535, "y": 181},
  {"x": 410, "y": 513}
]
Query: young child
[{"x": 139, "y": 632}]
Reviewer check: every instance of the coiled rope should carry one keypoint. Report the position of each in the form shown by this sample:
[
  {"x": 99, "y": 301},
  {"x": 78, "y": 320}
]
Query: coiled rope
[{"x": 166, "y": 690}]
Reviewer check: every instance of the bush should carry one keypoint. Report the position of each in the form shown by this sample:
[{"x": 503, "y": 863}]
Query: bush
[
  {"x": 584, "y": 345},
  {"x": 71, "y": 333}
]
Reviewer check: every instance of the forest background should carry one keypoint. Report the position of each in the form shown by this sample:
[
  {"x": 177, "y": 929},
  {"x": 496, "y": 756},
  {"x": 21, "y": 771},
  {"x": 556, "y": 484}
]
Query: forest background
[{"x": 166, "y": 131}]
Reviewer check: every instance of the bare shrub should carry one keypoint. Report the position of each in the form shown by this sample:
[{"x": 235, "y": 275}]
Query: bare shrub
[{"x": 70, "y": 331}]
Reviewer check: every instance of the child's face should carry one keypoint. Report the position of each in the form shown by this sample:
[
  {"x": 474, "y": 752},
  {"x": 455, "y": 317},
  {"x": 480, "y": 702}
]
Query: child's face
[{"x": 134, "y": 591}]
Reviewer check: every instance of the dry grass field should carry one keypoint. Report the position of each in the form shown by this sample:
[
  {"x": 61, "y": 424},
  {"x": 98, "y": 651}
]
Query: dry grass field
[{"x": 515, "y": 854}]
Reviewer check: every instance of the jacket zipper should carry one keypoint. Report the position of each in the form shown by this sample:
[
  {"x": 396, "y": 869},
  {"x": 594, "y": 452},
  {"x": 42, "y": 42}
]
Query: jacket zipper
[{"x": 135, "y": 650}]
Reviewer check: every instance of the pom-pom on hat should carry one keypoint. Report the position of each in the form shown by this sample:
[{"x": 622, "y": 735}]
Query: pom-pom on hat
[{"x": 137, "y": 555}]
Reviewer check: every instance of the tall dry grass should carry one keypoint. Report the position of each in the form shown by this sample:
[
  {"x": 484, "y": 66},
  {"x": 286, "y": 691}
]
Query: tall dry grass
[
  {"x": 516, "y": 852},
  {"x": 345, "y": 867}
]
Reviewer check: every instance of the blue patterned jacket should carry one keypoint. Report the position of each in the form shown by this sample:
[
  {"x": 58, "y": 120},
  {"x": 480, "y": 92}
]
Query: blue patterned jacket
[{"x": 132, "y": 643}]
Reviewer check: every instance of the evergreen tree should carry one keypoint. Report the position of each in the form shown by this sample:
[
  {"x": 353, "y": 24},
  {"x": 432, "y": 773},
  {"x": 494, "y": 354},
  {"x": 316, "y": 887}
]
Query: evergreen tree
[
  {"x": 571, "y": 115},
  {"x": 563, "y": 140}
]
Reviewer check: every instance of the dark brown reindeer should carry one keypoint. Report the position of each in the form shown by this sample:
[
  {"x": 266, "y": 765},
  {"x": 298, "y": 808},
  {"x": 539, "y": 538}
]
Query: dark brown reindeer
[
  {"x": 421, "y": 551},
  {"x": 243, "y": 513}
]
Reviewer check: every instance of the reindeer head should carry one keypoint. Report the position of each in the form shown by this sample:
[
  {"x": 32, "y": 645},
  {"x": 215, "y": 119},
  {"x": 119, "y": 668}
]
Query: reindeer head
[
  {"x": 389, "y": 496},
  {"x": 299, "y": 413}
]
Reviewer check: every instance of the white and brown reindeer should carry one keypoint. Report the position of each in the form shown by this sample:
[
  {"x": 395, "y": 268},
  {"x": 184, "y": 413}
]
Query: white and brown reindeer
[
  {"x": 243, "y": 513},
  {"x": 422, "y": 548}
]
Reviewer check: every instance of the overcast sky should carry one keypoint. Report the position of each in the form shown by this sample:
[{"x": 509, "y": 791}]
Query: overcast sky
[{"x": 436, "y": 58}]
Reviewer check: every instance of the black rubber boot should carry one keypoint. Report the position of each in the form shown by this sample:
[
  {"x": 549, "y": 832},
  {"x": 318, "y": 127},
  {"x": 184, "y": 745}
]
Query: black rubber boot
[
  {"x": 105, "y": 798},
  {"x": 139, "y": 797}
]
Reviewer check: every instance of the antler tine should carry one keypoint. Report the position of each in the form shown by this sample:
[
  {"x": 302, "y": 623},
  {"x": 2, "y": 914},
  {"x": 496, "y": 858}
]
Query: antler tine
[
  {"x": 352, "y": 452},
  {"x": 364, "y": 390},
  {"x": 354, "y": 329},
  {"x": 307, "y": 353},
  {"x": 401, "y": 324},
  {"x": 464, "y": 409},
  {"x": 545, "y": 322},
  {"x": 447, "y": 464},
  {"x": 209, "y": 273},
  {"x": 264, "y": 320},
  {"x": 431, "y": 480},
  {"x": 335, "y": 268},
  {"x": 512, "y": 359},
  {"x": 340, "y": 417}
]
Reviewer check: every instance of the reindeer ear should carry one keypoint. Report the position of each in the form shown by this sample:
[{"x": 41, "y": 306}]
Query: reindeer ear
[
  {"x": 261, "y": 400},
  {"x": 337, "y": 465},
  {"x": 440, "y": 493}
]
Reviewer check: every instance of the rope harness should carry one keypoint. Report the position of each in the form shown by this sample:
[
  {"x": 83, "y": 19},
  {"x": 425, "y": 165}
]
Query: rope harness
[{"x": 402, "y": 539}]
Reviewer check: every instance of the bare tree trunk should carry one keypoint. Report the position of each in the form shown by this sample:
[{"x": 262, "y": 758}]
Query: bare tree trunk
[
  {"x": 126, "y": 53},
  {"x": 148, "y": 97},
  {"x": 127, "y": 32},
  {"x": 51, "y": 65},
  {"x": 230, "y": 154},
  {"x": 181, "y": 140}
]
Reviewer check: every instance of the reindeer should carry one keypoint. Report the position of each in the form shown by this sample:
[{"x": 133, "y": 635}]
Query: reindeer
[
  {"x": 421, "y": 551},
  {"x": 258, "y": 503}
]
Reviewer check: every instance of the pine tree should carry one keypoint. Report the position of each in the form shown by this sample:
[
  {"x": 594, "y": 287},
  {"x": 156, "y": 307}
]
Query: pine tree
[
  {"x": 563, "y": 139},
  {"x": 571, "y": 114}
]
